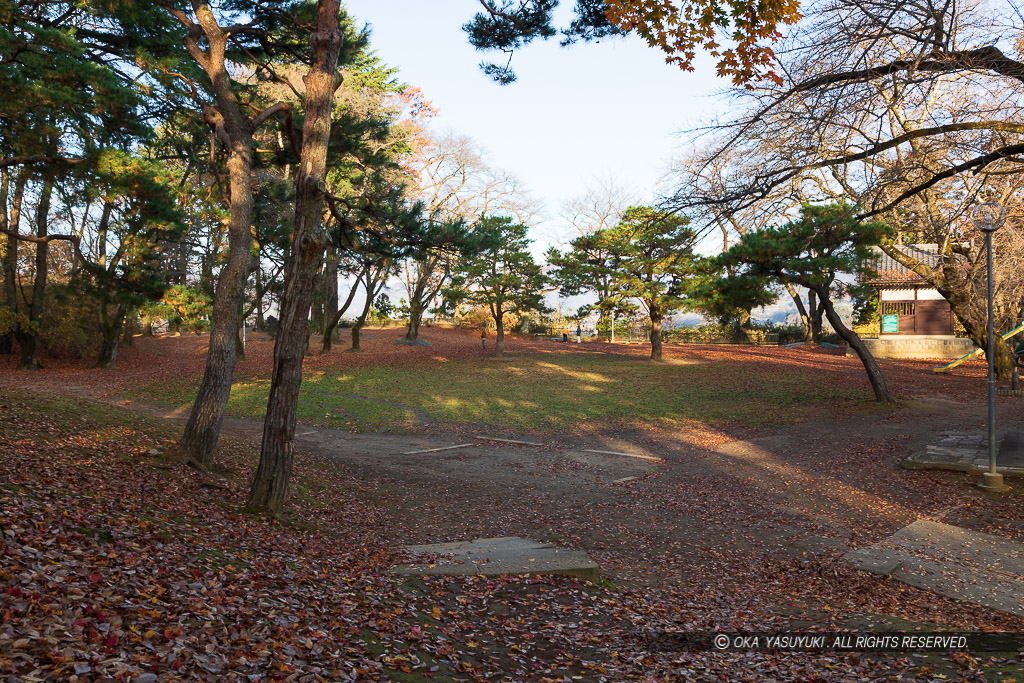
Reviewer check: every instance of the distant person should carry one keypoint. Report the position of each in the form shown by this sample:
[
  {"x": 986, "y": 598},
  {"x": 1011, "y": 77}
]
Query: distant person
[
  {"x": 483, "y": 340},
  {"x": 579, "y": 334},
  {"x": 565, "y": 336}
]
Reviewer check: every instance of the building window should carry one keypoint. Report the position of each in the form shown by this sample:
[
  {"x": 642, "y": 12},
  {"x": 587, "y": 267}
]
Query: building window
[{"x": 897, "y": 308}]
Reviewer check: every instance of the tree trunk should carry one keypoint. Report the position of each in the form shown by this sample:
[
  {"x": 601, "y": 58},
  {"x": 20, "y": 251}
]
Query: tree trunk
[
  {"x": 332, "y": 324},
  {"x": 8, "y": 242},
  {"x": 29, "y": 339},
  {"x": 261, "y": 324},
  {"x": 499, "y": 336},
  {"x": 1004, "y": 364},
  {"x": 978, "y": 333},
  {"x": 361, "y": 320},
  {"x": 415, "y": 318},
  {"x": 10, "y": 259},
  {"x": 875, "y": 376},
  {"x": 330, "y": 289},
  {"x": 746, "y": 329},
  {"x": 111, "y": 325},
  {"x": 801, "y": 311},
  {"x": 270, "y": 485},
  {"x": 421, "y": 294},
  {"x": 203, "y": 427},
  {"x": 656, "y": 317},
  {"x": 128, "y": 336},
  {"x": 815, "y": 308}
]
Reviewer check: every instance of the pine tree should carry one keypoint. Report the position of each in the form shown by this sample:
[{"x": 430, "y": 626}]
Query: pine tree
[{"x": 502, "y": 275}]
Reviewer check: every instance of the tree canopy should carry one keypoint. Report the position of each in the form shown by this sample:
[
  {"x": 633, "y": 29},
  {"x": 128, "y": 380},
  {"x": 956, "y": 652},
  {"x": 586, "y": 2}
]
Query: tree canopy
[{"x": 737, "y": 33}]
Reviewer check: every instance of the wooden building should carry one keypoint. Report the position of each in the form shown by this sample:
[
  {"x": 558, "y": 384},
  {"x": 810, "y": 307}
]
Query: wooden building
[
  {"x": 908, "y": 305},
  {"x": 915, "y": 321}
]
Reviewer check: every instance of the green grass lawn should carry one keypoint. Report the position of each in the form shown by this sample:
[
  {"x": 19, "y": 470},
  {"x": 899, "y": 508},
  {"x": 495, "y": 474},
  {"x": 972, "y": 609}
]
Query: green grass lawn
[{"x": 543, "y": 392}]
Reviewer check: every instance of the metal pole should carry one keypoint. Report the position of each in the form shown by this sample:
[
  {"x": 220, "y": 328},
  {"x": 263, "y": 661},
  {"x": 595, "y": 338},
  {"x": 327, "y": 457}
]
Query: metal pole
[
  {"x": 991, "y": 354},
  {"x": 989, "y": 217}
]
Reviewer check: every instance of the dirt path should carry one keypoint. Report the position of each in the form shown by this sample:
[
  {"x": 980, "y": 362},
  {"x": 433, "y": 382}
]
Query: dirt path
[{"x": 808, "y": 489}]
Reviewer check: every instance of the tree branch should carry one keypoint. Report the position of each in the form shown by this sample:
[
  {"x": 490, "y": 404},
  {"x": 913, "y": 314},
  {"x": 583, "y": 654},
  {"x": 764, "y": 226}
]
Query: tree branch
[
  {"x": 39, "y": 159},
  {"x": 289, "y": 126},
  {"x": 977, "y": 164}
]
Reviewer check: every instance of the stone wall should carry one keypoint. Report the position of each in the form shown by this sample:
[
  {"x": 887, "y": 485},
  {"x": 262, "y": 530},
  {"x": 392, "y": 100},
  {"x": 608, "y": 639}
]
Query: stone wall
[{"x": 919, "y": 347}]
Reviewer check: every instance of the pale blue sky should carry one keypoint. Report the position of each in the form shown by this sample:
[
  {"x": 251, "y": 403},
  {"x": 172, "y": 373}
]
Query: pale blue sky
[{"x": 574, "y": 116}]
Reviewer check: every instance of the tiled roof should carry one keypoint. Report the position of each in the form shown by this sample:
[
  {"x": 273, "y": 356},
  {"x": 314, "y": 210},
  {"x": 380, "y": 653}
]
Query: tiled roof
[{"x": 886, "y": 269}]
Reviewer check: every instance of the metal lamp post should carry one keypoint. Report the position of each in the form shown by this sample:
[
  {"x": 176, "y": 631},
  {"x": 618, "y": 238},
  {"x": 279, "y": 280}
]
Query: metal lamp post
[{"x": 988, "y": 218}]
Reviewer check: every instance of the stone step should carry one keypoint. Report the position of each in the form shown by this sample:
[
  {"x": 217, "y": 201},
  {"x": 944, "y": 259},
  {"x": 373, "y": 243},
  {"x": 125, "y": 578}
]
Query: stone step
[{"x": 495, "y": 556}]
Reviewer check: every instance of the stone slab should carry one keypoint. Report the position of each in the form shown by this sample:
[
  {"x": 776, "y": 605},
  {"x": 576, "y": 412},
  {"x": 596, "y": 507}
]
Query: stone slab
[
  {"x": 493, "y": 556},
  {"x": 1011, "y": 451},
  {"x": 960, "y": 452},
  {"x": 982, "y": 569}
]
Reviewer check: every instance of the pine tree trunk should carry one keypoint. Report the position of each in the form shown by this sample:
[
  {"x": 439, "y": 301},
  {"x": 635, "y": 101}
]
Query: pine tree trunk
[
  {"x": 29, "y": 340},
  {"x": 357, "y": 327},
  {"x": 270, "y": 485},
  {"x": 330, "y": 291},
  {"x": 204, "y": 422},
  {"x": 499, "y": 337},
  {"x": 10, "y": 258},
  {"x": 111, "y": 326},
  {"x": 801, "y": 311},
  {"x": 128, "y": 336},
  {"x": 875, "y": 375},
  {"x": 746, "y": 328},
  {"x": 332, "y": 324},
  {"x": 655, "y": 313},
  {"x": 815, "y": 308},
  {"x": 261, "y": 324},
  {"x": 8, "y": 242},
  {"x": 415, "y": 318}
]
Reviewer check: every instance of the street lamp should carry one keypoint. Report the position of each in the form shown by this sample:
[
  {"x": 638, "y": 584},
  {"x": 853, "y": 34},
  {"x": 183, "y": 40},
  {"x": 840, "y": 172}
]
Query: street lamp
[{"x": 988, "y": 218}]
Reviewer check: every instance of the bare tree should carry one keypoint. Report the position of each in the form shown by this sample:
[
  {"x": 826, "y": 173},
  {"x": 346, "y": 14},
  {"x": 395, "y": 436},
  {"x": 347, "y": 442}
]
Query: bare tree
[
  {"x": 599, "y": 206},
  {"x": 457, "y": 186},
  {"x": 911, "y": 109}
]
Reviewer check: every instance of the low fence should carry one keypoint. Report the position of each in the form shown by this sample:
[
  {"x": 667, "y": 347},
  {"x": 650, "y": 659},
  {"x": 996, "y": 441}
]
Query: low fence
[{"x": 696, "y": 336}]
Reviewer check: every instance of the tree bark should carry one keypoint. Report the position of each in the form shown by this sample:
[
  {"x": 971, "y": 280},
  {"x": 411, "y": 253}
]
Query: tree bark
[
  {"x": 128, "y": 335},
  {"x": 656, "y": 318},
  {"x": 499, "y": 336},
  {"x": 29, "y": 339},
  {"x": 415, "y": 318},
  {"x": 203, "y": 427},
  {"x": 357, "y": 326},
  {"x": 746, "y": 328},
  {"x": 234, "y": 130},
  {"x": 875, "y": 375},
  {"x": 330, "y": 289},
  {"x": 421, "y": 293},
  {"x": 801, "y": 311},
  {"x": 9, "y": 243},
  {"x": 270, "y": 485},
  {"x": 815, "y": 308},
  {"x": 111, "y": 326},
  {"x": 10, "y": 259},
  {"x": 332, "y": 324}
]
